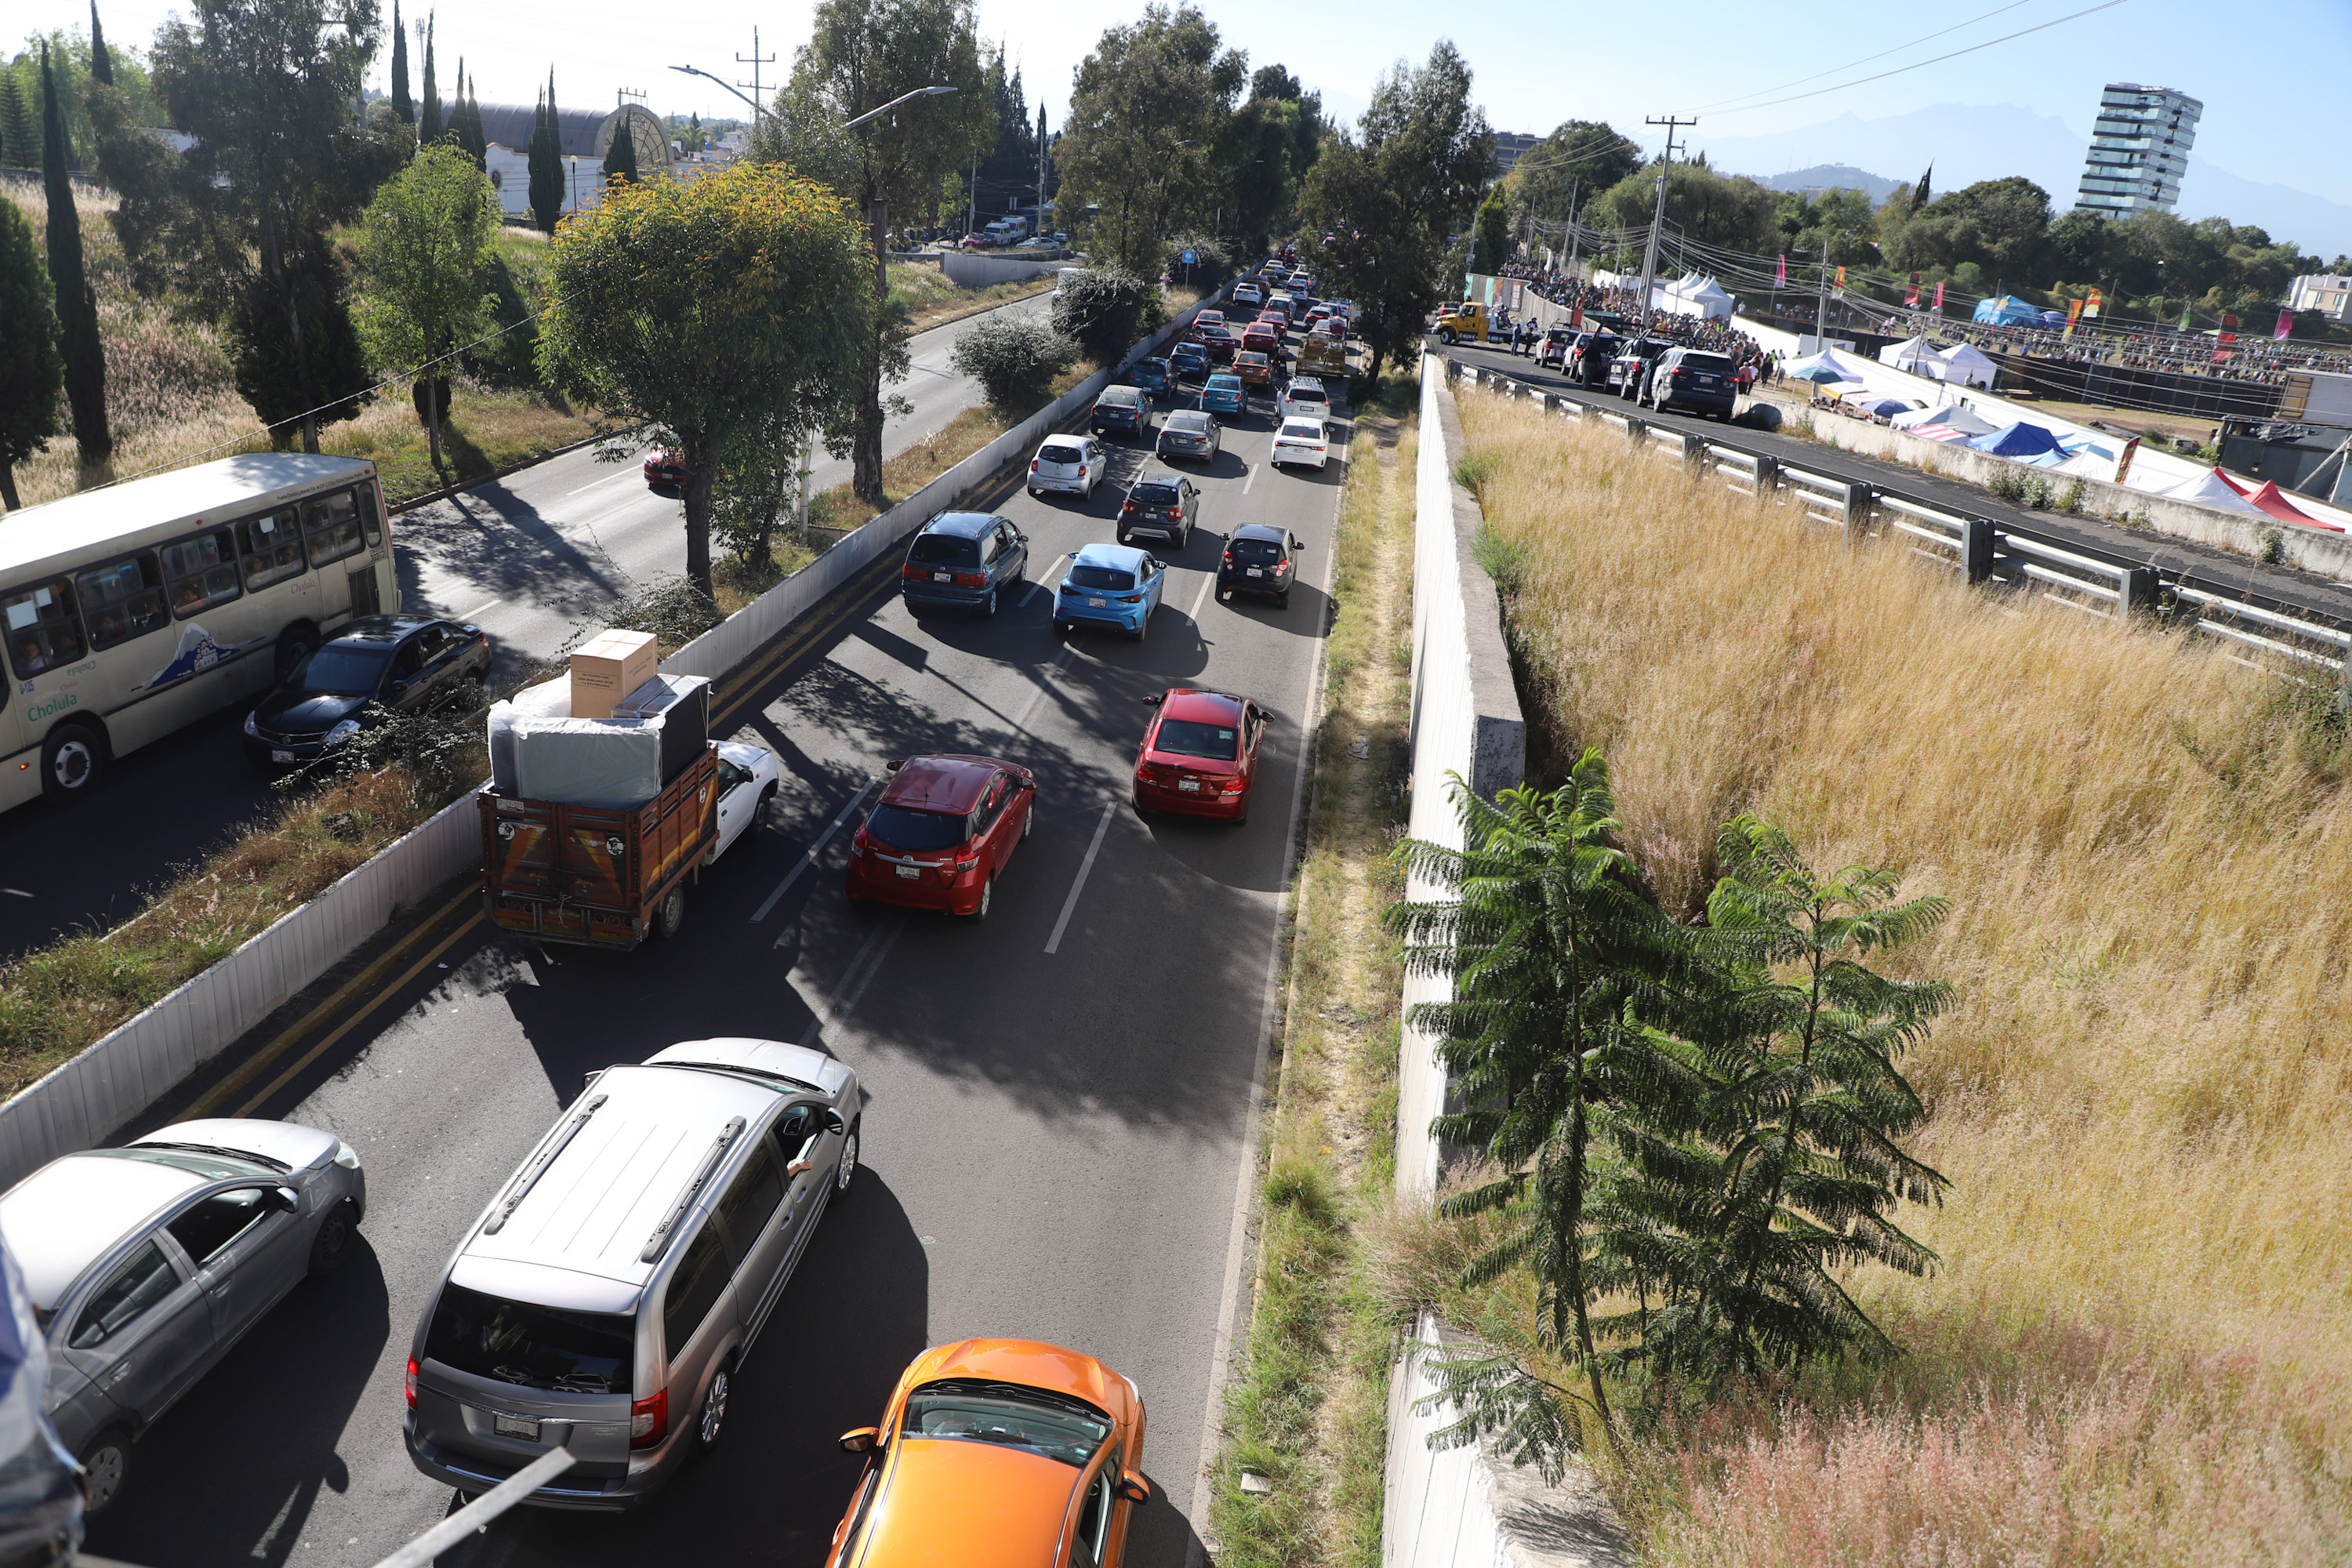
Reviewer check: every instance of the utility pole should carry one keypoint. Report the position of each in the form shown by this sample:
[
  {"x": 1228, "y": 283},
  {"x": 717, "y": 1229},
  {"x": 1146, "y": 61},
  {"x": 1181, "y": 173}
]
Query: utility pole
[
  {"x": 1658, "y": 215},
  {"x": 1041, "y": 170},
  {"x": 1575, "y": 229},
  {"x": 755, "y": 60},
  {"x": 1821, "y": 305},
  {"x": 972, "y": 199}
]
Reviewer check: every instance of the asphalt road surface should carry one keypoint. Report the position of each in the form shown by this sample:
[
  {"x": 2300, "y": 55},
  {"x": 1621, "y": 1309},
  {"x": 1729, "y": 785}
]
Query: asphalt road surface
[
  {"x": 530, "y": 558},
  {"x": 1058, "y": 1133}
]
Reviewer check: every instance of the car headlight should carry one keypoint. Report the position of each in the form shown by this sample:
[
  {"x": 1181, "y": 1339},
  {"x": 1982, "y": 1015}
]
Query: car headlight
[
  {"x": 343, "y": 732},
  {"x": 346, "y": 1156},
  {"x": 251, "y": 727}
]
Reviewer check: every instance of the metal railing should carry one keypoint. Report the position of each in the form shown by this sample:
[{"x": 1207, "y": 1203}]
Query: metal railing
[{"x": 1983, "y": 549}]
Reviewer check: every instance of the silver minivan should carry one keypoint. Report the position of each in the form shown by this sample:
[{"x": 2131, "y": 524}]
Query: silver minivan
[{"x": 606, "y": 1297}]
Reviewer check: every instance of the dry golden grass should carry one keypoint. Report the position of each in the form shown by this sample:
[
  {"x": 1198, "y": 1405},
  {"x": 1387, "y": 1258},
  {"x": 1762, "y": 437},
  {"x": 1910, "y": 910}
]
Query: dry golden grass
[
  {"x": 2144, "y": 1098},
  {"x": 935, "y": 302}
]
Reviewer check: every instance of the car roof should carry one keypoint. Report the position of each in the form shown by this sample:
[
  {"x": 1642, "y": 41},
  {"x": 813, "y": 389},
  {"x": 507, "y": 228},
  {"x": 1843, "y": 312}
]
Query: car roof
[
  {"x": 1118, "y": 557},
  {"x": 961, "y": 524},
  {"x": 1262, "y": 531},
  {"x": 380, "y": 628},
  {"x": 949, "y": 783},
  {"x": 1157, "y": 477},
  {"x": 69, "y": 1213},
  {"x": 1200, "y": 707},
  {"x": 582, "y": 1228}
]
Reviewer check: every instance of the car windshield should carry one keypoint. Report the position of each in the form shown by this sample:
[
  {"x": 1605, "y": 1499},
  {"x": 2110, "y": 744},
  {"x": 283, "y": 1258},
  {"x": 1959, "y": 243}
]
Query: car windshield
[
  {"x": 1052, "y": 453},
  {"x": 904, "y": 829},
  {"x": 1121, "y": 397},
  {"x": 1190, "y": 738},
  {"x": 197, "y": 1159},
  {"x": 943, "y": 550},
  {"x": 340, "y": 669},
  {"x": 1153, "y": 495},
  {"x": 975, "y": 1412},
  {"x": 532, "y": 1346},
  {"x": 1101, "y": 579}
]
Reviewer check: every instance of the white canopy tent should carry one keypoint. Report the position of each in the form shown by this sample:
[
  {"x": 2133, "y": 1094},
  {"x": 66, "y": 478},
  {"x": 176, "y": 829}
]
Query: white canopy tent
[
  {"x": 1964, "y": 366},
  {"x": 1695, "y": 295},
  {"x": 1918, "y": 355},
  {"x": 2208, "y": 489},
  {"x": 1951, "y": 416}
]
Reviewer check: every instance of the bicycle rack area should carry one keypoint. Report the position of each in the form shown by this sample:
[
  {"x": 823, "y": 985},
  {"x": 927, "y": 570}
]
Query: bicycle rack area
[{"x": 1986, "y": 550}]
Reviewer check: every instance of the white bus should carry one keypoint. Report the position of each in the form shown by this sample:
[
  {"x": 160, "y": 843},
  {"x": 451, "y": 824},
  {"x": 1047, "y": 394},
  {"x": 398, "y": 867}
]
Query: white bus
[{"x": 132, "y": 610}]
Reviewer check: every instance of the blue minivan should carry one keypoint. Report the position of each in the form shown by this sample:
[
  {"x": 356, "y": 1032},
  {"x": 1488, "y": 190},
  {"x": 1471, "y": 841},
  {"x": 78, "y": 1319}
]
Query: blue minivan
[{"x": 964, "y": 561}]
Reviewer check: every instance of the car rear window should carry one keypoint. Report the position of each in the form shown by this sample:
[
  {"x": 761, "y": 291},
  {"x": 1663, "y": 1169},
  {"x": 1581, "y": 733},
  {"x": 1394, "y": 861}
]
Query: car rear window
[
  {"x": 1190, "y": 738},
  {"x": 1121, "y": 397},
  {"x": 1222, "y": 383},
  {"x": 1303, "y": 430},
  {"x": 1059, "y": 454},
  {"x": 1191, "y": 422},
  {"x": 944, "y": 550},
  {"x": 532, "y": 1346},
  {"x": 1102, "y": 579},
  {"x": 1254, "y": 550},
  {"x": 1715, "y": 363},
  {"x": 1153, "y": 495},
  {"x": 902, "y": 828}
]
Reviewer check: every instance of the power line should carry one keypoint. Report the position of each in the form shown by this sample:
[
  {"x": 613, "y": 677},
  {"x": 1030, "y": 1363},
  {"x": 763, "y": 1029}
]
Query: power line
[
  {"x": 1759, "y": 93},
  {"x": 1956, "y": 54}
]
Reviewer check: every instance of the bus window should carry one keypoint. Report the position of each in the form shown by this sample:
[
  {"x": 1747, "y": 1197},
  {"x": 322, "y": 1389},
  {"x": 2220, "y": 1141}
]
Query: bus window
[
  {"x": 43, "y": 631},
  {"x": 122, "y": 599},
  {"x": 371, "y": 498},
  {"x": 331, "y": 524},
  {"x": 269, "y": 548},
  {"x": 200, "y": 572}
]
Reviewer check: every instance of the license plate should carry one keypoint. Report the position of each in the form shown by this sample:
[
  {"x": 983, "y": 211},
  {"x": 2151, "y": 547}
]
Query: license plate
[
  {"x": 1190, "y": 786},
  {"x": 1258, "y": 571},
  {"x": 1099, "y": 604},
  {"x": 515, "y": 1426},
  {"x": 909, "y": 872},
  {"x": 941, "y": 576},
  {"x": 281, "y": 756}
]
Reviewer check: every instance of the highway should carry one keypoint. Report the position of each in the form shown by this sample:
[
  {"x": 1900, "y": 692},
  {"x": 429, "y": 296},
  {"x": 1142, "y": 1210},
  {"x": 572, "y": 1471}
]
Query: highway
[
  {"x": 529, "y": 557},
  {"x": 1061, "y": 1120}
]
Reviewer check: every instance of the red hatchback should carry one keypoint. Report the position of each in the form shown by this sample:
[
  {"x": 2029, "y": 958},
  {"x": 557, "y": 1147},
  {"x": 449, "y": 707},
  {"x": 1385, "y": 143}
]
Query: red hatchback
[
  {"x": 944, "y": 828},
  {"x": 1199, "y": 754}
]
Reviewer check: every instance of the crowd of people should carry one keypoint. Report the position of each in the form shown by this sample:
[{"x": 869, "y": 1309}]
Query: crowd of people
[{"x": 1689, "y": 330}]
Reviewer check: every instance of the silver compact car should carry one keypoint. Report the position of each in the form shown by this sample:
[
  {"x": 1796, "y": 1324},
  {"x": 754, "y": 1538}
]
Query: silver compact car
[
  {"x": 146, "y": 1263},
  {"x": 607, "y": 1297}
]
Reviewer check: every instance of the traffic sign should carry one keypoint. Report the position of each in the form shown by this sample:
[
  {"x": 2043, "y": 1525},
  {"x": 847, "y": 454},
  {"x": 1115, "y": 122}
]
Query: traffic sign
[{"x": 1188, "y": 259}]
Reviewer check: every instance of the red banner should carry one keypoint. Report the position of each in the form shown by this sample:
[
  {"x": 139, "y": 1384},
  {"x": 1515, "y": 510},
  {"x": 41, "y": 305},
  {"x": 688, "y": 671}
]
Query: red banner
[
  {"x": 1911, "y": 299},
  {"x": 2285, "y": 328},
  {"x": 1781, "y": 277},
  {"x": 1939, "y": 299}
]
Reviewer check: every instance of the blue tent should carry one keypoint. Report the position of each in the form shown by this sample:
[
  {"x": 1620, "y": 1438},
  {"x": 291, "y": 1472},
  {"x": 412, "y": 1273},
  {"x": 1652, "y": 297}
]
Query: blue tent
[
  {"x": 2007, "y": 311},
  {"x": 2018, "y": 440}
]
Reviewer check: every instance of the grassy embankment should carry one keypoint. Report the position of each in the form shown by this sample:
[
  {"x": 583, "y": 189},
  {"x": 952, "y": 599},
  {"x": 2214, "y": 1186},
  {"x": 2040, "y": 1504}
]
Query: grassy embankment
[
  {"x": 2137, "y": 1348},
  {"x": 1307, "y": 1408}
]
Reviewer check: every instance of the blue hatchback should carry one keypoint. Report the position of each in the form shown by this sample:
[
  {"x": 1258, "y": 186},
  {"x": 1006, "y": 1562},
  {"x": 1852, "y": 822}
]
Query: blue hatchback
[
  {"x": 1189, "y": 361},
  {"x": 1110, "y": 585},
  {"x": 1224, "y": 393},
  {"x": 1152, "y": 376},
  {"x": 964, "y": 559}
]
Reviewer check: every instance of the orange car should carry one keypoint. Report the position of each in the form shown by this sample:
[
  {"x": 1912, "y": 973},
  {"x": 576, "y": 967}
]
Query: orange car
[
  {"x": 1254, "y": 368},
  {"x": 997, "y": 1454}
]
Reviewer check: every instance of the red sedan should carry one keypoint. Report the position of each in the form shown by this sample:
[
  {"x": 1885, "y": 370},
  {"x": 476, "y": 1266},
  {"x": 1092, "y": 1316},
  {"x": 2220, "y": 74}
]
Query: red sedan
[
  {"x": 664, "y": 468},
  {"x": 944, "y": 828},
  {"x": 1199, "y": 754}
]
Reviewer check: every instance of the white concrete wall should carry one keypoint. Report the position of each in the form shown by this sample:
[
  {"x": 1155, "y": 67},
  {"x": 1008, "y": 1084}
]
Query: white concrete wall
[{"x": 973, "y": 270}]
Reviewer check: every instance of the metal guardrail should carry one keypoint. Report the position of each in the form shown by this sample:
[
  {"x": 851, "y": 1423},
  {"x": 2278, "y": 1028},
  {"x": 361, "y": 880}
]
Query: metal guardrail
[{"x": 1983, "y": 549}]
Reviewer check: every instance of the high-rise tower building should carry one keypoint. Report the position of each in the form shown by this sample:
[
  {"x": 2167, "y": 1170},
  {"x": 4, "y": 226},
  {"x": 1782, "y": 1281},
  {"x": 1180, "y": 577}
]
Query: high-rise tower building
[{"x": 2139, "y": 150}]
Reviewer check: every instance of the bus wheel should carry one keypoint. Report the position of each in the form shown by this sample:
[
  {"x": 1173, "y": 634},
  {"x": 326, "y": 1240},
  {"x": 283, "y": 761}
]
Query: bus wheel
[
  {"x": 294, "y": 646},
  {"x": 71, "y": 760}
]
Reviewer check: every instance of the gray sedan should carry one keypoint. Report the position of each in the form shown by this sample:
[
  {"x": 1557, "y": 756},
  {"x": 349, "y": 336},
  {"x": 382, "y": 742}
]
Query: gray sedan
[
  {"x": 146, "y": 1263},
  {"x": 1188, "y": 433}
]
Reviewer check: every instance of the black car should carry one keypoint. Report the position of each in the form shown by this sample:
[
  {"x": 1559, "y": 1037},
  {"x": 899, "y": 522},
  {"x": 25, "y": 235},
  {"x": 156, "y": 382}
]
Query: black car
[
  {"x": 1155, "y": 377},
  {"x": 1164, "y": 503},
  {"x": 1696, "y": 380},
  {"x": 1628, "y": 371},
  {"x": 1259, "y": 559},
  {"x": 400, "y": 663},
  {"x": 1587, "y": 357},
  {"x": 1124, "y": 409}
]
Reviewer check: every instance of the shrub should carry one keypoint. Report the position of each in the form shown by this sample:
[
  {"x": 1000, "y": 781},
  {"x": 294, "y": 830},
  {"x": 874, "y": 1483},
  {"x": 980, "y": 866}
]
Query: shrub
[
  {"x": 2008, "y": 484},
  {"x": 2072, "y": 501},
  {"x": 2034, "y": 491},
  {"x": 2271, "y": 547},
  {"x": 1014, "y": 361},
  {"x": 1211, "y": 265},
  {"x": 1103, "y": 310}
]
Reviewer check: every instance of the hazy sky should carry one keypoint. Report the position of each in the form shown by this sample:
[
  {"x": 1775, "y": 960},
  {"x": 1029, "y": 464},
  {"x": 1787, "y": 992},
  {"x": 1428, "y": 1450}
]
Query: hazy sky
[{"x": 2272, "y": 75}]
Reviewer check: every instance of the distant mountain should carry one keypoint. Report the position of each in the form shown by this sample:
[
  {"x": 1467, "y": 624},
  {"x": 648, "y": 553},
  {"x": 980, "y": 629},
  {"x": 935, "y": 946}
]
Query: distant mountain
[
  {"x": 2322, "y": 227},
  {"x": 1837, "y": 177}
]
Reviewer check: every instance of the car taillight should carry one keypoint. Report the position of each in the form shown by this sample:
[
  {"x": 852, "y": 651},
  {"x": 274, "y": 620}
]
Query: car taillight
[
  {"x": 1127, "y": 506},
  {"x": 1227, "y": 559},
  {"x": 1129, "y": 599},
  {"x": 1082, "y": 470},
  {"x": 1176, "y": 512},
  {"x": 971, "y": 579},
  {"x": 1033, "y": 465},
  {"x": 963, "y": 866},
  {"x": 408, "y": 1383},
  {"x": 649, "y": 1420},
  {"x": 858, "y": 846},
  {"x": 911, "y": 569},
  {"x": 1233, "y": 786}
]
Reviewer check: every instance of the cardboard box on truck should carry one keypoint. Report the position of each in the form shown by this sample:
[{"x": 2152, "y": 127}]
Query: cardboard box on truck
[{"x": 607, "y": 667}]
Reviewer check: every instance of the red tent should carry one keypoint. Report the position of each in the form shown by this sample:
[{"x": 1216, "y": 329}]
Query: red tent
[{"x": 2269, "y": 499}]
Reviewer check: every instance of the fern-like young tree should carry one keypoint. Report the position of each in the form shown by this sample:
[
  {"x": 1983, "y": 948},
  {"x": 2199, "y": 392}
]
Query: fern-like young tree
[
  {"x": 620, "y": 156},
  {"x": 1553, "y": 954}
]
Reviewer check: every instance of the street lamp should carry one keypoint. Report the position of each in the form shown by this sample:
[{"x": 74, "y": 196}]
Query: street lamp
[
  {"x": 904, "y": 97},
  {"x": 692, "y": 70}
]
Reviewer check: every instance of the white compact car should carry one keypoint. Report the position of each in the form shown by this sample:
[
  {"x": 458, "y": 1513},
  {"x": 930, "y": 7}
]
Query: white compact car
[
  {"x": 1069, "y": 464},
  {"x": 1303, "y": 442},
  {"x": 748, "y": 777}
]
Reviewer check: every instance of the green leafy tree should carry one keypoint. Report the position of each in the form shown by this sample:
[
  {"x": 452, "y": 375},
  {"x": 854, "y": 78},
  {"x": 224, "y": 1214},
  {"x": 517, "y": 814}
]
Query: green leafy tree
[
  {"x": 77, "y": 303},
  {"x": 727, "y": 312},
  {"x": 861, "y": 55},
  {"x": 1014, "y": 361},
  {"x": 1102, "y": 309},
  {"x": 1551, "y": 949},
  {"x": 429, "y": 124},
  {"x": 1390, "y": 196},
  {"x": 1490, "y": 244},
  {"x": 402, "y": 103},
  {"x": 1147, "y": 116},
  {"x": 1729, "y": 212},
  {"x": 546, "y": 161},
  {"x": 1258, "y": 152},
  {"x": 1557, "y": 177},
  {"x": 621, "y": 156},
  {"x": 425, "y": 244},
  {"x": 30, "y": 369}
]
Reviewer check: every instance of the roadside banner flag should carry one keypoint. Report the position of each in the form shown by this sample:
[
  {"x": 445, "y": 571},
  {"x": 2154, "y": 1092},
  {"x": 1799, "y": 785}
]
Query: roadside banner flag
[
  {"x": 2074, "y": 314},
  {"x": 1939, "y": 299},
  {"x": 2225, "y": 344},
  {"x": 2091, "y": 305},
  {"x": 1911, "y": 299},
  {"x": 2285, "y": 328},
  {"x": 1780, "y": 276},
  {"x": 2123, "y": 464},
  {"x": 1839, "y": 290},
  {"x": 2188, "y": 318}
]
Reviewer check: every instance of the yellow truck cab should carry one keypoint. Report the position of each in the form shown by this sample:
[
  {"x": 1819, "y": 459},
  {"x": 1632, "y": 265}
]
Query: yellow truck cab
[
  {"x": 1468, "y": 319},
  {"x": 1319, "y": 353}
]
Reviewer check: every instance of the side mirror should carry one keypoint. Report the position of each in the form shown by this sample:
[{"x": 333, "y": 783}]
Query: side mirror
[
  {"x": 834, "y": 1124},
  {"x": 588, "y": 1079},
  {"x": 861, "y": 1440},
  {"x": 892, "y": 767},
  {"x": 284, "y": 1198},
  {"x": 1134, "y": 1488},
  {"x": 1297, "y": 543},
  {"x": 1154, "y": 700}
]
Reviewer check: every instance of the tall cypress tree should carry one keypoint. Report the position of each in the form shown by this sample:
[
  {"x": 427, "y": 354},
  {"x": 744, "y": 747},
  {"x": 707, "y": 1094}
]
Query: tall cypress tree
[
  {"x": 101, "y": 64},
  {"x": 20, "y": 132},
  {"x": 547, "y": 162},
  {"x": 428, "y": 124},
  {"x": 30, "y": 368},
  {"x": 621, "y": 157},
  {"x": 85, "y": 354},
  {"x": 401, "y": 104}
]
